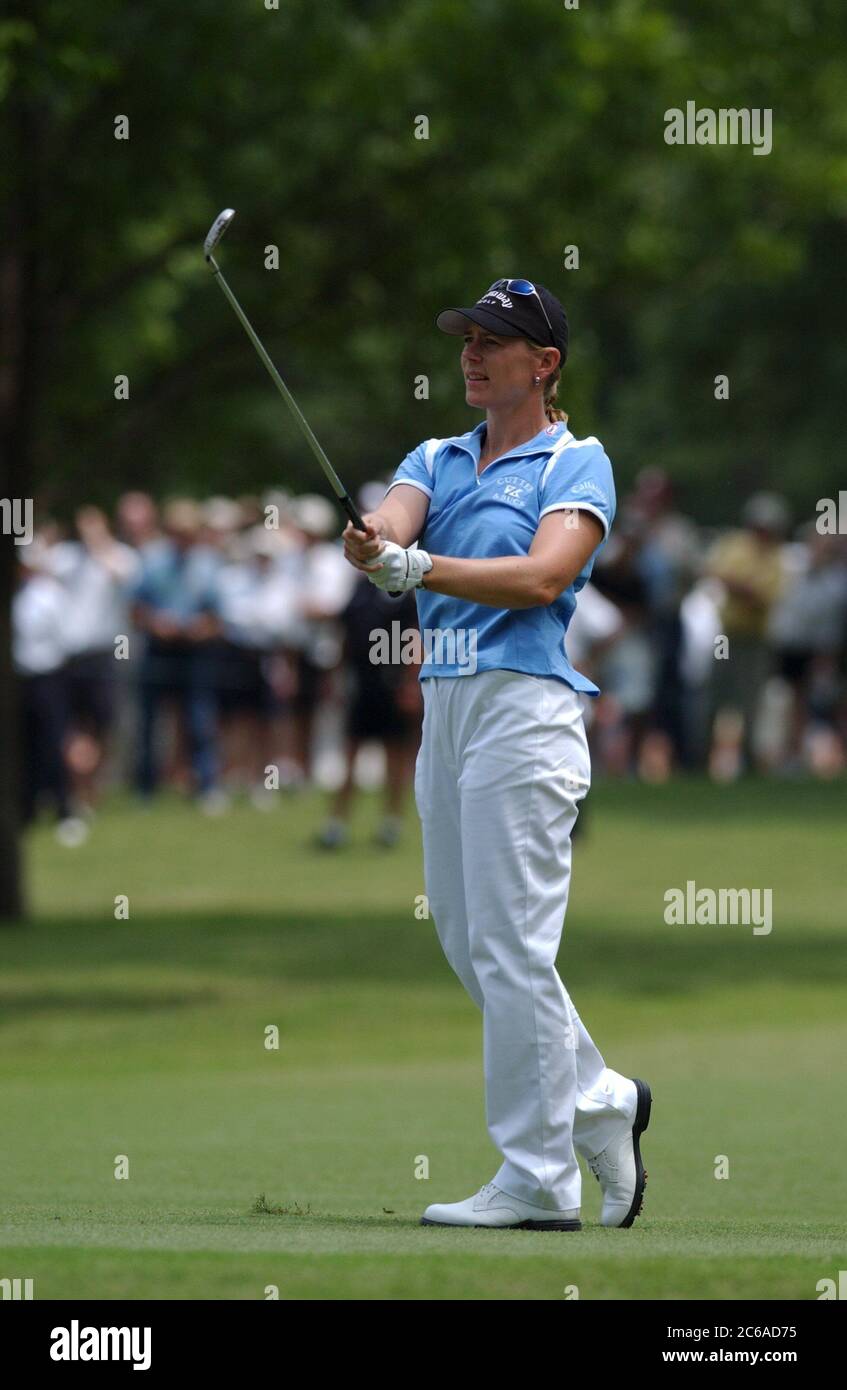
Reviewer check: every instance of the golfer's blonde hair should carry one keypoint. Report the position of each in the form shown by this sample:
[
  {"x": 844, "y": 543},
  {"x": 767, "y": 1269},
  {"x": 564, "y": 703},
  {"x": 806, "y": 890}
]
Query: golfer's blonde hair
[{"x": 551, "y": 389}]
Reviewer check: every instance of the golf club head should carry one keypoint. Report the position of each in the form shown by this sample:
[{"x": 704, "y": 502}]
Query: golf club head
[{"x": 217, "y": 230}]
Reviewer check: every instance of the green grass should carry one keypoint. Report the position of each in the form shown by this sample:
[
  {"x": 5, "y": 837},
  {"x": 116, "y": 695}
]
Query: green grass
[{"x": 145, "y": 1038}]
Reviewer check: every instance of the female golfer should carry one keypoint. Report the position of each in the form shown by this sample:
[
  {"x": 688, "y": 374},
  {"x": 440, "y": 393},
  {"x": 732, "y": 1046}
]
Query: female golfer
[{"x": 509, "y": 518}]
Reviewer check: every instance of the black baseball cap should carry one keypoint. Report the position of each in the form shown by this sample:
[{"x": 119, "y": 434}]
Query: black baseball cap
[{"x": 517, "y": 309}]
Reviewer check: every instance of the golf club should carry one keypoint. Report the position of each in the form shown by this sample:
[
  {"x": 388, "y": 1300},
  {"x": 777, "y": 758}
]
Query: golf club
[{"x": 215, "y": 233}]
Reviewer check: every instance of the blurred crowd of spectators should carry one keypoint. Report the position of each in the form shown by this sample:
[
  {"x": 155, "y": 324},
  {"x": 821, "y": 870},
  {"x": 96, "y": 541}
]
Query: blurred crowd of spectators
[
  {"x": 216, "y": 646},
  {"x": 723, "y": 650}
]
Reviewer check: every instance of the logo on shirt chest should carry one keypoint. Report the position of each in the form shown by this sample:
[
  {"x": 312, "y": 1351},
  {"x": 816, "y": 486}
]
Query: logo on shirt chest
[{"x": 512, "y": 489}]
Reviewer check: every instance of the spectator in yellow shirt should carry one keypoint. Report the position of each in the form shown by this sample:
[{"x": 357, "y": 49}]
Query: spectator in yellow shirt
[{"x": 749, "y": 566}]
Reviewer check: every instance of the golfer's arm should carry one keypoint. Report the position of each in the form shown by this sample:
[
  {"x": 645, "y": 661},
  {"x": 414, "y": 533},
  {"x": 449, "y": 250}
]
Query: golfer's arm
[
  {"x": 556, "y": 556},
  {"x": 509, "y": 581},
  {"x": 404, "y": 512}
]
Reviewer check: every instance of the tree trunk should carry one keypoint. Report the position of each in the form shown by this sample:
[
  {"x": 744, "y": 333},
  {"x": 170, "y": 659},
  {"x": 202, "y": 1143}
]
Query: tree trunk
[{"x": 21, "y": 326}]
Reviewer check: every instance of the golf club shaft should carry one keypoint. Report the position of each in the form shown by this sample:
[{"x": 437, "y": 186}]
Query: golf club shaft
[{"x": 332, "y": 477}]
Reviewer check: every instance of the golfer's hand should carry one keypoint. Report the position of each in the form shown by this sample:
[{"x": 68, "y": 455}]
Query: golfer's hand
[
  {"x": 399, "y": 569},
  {"x": 361, "y": 548}
]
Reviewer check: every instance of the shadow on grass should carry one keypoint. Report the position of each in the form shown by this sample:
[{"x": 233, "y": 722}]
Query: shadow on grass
[
  {"x": 694, "y": 800},
  {"x": 14, "y": 1006},
  {"x": 332, "y": 949}
]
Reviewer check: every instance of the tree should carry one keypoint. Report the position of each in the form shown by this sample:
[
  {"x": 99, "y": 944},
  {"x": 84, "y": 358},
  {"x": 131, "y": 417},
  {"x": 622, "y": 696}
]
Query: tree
[{"x": 545, "y": 131}]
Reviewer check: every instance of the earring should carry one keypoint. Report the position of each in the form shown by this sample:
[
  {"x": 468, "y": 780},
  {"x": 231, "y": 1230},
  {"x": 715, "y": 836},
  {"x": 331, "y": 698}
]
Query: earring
[{"x": 536, "y": 380}]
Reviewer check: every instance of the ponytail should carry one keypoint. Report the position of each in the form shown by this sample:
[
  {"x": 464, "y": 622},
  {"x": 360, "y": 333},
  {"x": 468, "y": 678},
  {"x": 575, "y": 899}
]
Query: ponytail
[{"x": 551, "y": 391}]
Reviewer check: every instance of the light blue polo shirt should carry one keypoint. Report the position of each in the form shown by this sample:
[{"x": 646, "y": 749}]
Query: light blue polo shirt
[{"x": 496, "y": 513}]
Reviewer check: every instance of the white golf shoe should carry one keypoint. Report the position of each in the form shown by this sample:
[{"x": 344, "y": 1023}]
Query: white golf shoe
[
  {"x": 619, "y": 1170},
  {"x": 493, "y": 1208}
]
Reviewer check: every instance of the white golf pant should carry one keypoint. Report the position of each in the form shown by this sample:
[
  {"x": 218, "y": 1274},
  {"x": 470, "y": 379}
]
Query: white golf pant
[{"x": 502, "y": 767}]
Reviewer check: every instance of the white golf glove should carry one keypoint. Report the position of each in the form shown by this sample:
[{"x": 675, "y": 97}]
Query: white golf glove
[{"x": 400, "y": 569}]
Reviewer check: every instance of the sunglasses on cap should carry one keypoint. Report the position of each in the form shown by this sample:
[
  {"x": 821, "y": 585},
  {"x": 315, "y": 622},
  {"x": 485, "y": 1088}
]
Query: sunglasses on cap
[{"x": 523, "y": 287}]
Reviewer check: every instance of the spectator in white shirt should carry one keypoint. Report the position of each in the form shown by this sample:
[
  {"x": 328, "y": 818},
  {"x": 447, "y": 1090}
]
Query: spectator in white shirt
[
  {"x": 39, "y": 610},
  {"x": 96, "y": 572}
]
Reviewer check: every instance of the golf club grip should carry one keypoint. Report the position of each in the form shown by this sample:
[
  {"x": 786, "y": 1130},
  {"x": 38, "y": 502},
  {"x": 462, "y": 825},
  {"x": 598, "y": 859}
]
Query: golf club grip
[{"x": 350, "y": 509}]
